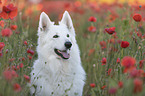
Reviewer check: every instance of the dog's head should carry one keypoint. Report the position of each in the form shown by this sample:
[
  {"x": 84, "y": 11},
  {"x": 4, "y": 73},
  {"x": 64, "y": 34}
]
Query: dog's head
[{"x": 56, "y": 40}]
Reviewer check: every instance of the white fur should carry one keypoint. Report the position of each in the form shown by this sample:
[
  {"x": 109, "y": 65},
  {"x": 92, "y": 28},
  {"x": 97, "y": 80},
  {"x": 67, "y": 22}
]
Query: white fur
[{"x": 53, "y": 75}]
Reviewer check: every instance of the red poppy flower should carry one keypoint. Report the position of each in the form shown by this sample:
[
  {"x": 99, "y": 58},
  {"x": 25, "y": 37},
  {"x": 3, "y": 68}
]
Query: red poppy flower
[
  {"x": 14, "y": 74},
  {"x": 141, "y": 62},
  {"x": 1, "y": 46},
  {"x": 103, "y": 87},
  {"x": 2, "y": 23},
  {"x": 14, "y": 67},
  {"x": 115, "y": 35},
  {"x": 25, "y": 42},
  {"x": 120, "y": 84},
  {"x": 137, "y": 17},
  {"x": 6, "y": 32},
  {"x": 137, "y": 85},
  {"x": 30, "y": 57},
  {"x": 16, "y": 87},
  {"x": 91, "y": 51},
  {"x": 112, "y": 40},
  {"x": 109, "y": 71},
  {"x": 67, "y": 6},
  {"x": 30, "y": 51},
  {"x": 92, "y": 19},
  {"x": 9, "y": 74},
  {"x": 27, "y": 78},
  {"x": 11, "y": 60},
  {"x": 92, "y": 85},
  {"x": 104, "y": 61},
  {"x": 18, "y": 67},
  {"x": 14, "y": 27},
  {"x": 128, "y": 62},
  {"x": 102, "y": 44},
  {"x": 22, "y": 59},
  {"x": 21, "y": 65},
  {"x": 119, "y": 41},
  {"x": 118, "y": 60},
  {"x": 92, "y": 29},
  {"x": 110, "y": 30},
  {"x": 77, "y": 3},
  {"x": 136, "y": 73},
  {"x": 112, "y": 90},
  {"x": 124, "y": 44},
  {"x": 9, "y": 11},
  {"x": 1, "y": 54}
]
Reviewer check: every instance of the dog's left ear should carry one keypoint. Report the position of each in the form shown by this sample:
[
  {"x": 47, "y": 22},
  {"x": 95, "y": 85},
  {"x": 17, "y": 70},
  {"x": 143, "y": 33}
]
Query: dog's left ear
[{"x": 66, "y": 19}]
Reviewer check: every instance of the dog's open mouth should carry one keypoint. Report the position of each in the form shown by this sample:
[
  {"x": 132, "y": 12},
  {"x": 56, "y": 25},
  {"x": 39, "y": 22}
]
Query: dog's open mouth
[{"x": 62, "y": 53}]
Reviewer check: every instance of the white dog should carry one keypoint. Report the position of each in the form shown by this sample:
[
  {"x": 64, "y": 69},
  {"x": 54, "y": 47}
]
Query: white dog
[{"x": 58, "y": 70}]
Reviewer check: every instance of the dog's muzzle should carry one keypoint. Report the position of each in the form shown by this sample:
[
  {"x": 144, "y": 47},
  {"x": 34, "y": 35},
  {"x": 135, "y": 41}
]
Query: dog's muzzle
[{"x": 64, "y": 53}]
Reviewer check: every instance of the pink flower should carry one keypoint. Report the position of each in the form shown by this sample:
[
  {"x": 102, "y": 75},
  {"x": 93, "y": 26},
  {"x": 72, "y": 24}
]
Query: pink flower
[{"x": 112, "y": 90}]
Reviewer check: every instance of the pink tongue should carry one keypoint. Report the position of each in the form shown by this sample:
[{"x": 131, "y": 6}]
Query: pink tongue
[{"x": 65, "y": 54}]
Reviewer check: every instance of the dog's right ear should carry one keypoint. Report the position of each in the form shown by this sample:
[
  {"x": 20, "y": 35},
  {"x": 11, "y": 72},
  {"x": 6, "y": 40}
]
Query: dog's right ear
[{"x": 44, "y": 22}]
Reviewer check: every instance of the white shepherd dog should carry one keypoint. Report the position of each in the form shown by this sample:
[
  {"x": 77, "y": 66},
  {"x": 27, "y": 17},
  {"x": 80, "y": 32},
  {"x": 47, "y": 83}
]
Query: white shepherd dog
[{"x": 58, "y": 70}]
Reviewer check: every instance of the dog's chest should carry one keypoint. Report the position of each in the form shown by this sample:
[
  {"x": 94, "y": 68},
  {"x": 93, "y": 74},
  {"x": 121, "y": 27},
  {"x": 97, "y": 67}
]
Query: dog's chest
[
  {"x": 61, "y": 76},
  {"x": 59, "y": 82}
]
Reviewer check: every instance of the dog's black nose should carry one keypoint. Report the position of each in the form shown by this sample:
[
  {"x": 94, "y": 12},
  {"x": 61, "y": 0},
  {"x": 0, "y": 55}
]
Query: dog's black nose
[{"x": 68, "y": 44}]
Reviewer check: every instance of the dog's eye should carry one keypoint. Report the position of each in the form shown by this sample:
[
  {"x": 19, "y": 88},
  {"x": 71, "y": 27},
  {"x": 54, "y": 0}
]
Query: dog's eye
[
  {"x": 55, "y": 36},
  {"x": 67, "y": 35}
]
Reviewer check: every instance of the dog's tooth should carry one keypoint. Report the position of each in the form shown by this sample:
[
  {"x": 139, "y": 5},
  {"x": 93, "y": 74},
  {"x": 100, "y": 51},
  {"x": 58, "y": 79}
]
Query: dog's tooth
[{"x": 68, "y": 51}]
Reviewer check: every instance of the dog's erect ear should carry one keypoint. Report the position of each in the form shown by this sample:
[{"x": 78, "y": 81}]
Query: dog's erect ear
[
  {"x": 66, "y": 19},
  {"x": 44, "y": 22}
]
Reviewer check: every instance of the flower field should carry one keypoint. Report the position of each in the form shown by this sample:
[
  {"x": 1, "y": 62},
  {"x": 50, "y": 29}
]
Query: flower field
[{"x": 110, "y": 35}]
